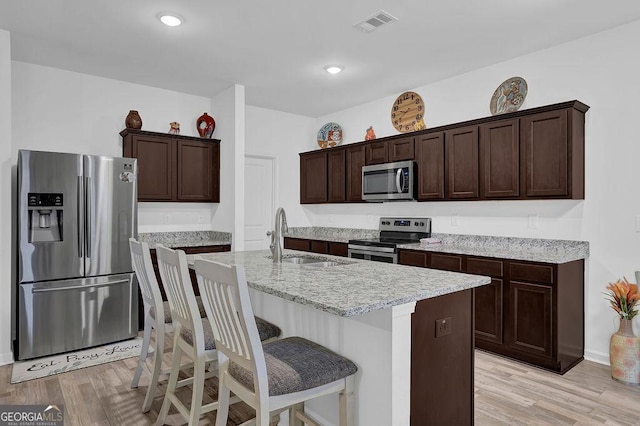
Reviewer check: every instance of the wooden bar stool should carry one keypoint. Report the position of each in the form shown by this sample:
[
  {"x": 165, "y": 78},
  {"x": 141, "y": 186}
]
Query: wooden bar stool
[
  {"x": 275, "y": 377},
  {"x": 192, "y": 336}
]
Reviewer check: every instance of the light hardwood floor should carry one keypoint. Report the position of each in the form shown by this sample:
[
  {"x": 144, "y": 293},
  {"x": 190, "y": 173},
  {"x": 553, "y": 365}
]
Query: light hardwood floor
[{"x": 506, "y": 393}]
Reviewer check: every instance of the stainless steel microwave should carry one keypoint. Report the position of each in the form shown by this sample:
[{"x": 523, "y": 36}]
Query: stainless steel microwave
[{"x": 388, "y": 181}]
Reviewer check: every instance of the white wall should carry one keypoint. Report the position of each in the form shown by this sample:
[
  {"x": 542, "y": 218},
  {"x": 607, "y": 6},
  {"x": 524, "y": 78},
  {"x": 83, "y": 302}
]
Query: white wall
[
  {"x": 280, "y": 134},
  {"x": 228, "y": 109},
  {"x": 602, "y": 71},
  {"x": 65, "y": 111},
  {"x": 6, "y": 283}
]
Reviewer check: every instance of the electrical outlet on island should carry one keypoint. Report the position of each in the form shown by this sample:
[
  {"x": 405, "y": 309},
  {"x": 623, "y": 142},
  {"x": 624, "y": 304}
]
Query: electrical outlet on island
[{"x": 443, "y": 327}]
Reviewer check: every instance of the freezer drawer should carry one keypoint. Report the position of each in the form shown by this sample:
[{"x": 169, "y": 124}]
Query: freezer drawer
[{"x": 60, "y": 316}]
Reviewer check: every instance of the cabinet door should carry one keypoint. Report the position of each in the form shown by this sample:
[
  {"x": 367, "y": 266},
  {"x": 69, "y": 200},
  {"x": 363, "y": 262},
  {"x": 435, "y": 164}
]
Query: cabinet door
[
  {"x": 313, "y": 178},
  {"x": 500, "y": 159},
  {"x": 430, "y": 165},
  {"x": 401, "y": 149},
  {"x": 336, "y": 170},
  {"x": 377, "y": 153},
  {"x": 198, "y": 171},
  {"x": 156, "y": 167},
  {"x": 488, "y": 306},
  {"x": 530, "y": 318},
  {"x": 545, "y": 146},
  {"x": 355, "y": 158},
  {"x": 462, "y": 162}
]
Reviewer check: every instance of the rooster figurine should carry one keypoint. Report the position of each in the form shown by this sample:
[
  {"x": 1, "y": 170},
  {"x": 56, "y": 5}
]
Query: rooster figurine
[
  {"x": 174, "y": 128},
  {"x": 370, "y": 134}
]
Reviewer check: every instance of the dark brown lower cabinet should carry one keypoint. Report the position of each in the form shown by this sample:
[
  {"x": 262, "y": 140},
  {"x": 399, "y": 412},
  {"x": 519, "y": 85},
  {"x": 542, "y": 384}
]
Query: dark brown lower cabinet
[
  {"x": 442, "y": 367},
  {"x": 316, "y": 246},
  {"x": 194, "y": 282},
  {"x": 531, "y": 311}
]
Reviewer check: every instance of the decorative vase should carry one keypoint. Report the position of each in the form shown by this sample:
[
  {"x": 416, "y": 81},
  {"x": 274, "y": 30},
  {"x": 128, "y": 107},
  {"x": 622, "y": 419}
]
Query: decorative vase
[
  {"x": 133, "y": 120},
  {"x": 624, "y": 354},
  {"x": 206, "y": 125}
]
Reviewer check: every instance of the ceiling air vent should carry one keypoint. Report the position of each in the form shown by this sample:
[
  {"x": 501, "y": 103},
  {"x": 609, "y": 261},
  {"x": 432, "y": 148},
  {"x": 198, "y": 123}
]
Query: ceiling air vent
[{"x": 375, "y": 21}]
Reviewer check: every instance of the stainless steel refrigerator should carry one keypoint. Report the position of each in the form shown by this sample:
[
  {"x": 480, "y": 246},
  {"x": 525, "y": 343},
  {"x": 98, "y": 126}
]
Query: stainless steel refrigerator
[{"x": 76, "y": 286}]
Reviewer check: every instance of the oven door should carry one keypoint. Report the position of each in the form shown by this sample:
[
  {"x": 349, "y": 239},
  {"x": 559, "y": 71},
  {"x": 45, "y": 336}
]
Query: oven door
[
  {"x": 377, "y": 254},
  {"x": 390, "y": 181}
]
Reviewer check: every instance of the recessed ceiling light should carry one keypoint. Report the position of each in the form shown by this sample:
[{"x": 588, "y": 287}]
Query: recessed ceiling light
[
  {"x": 170, "y": 19},
  {"x": 333, "y": 69}
]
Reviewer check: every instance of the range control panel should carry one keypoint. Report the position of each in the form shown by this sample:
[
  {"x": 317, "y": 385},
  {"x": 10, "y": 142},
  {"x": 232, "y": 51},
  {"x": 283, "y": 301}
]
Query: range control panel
[{"x": 405, "y": 224}]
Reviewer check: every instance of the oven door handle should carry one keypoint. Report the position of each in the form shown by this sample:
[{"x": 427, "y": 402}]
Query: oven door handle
[{"x": 366, "y": 250}]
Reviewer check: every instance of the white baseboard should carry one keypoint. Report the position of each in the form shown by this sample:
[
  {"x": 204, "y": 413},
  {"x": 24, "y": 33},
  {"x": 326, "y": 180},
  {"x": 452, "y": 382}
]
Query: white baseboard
[
  {"x": 6, "y": 358},
  {"x": 596, "y": 356}
]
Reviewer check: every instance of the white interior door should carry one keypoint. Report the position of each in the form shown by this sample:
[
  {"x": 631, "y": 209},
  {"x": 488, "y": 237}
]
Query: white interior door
[{"x": 259, "y": 202}]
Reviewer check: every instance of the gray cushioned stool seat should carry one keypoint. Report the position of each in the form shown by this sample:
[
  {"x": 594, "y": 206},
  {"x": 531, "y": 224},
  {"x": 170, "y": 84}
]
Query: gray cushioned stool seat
[
  {"x": 167, "y": 310},
  {"x": 265, "y": 329},
  {"x": 295, "y": 364}
]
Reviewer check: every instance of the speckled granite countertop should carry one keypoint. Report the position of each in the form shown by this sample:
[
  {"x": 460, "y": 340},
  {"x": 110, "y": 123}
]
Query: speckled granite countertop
[
  {"x": 336, "y": 235},
  {"x": 531, "y": 249},
  {"x": 186, "y": 238},
  {"x": 354, "y": 287}
]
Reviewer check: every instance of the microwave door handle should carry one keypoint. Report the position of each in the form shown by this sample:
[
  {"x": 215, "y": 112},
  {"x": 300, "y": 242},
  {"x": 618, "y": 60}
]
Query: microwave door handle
[{"x": 399, "y": 180}]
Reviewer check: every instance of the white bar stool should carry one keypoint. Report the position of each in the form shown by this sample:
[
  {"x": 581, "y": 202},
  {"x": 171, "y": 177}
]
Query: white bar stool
[
  {"x": 192, "y": 335},
  {"x": 275, "y": 377}
]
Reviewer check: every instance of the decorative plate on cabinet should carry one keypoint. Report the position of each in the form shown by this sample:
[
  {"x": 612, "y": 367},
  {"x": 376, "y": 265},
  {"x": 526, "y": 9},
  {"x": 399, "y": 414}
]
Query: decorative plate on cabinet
[
  {"x": 330, "y": 135},
  {"x": 509, "y": 96}
]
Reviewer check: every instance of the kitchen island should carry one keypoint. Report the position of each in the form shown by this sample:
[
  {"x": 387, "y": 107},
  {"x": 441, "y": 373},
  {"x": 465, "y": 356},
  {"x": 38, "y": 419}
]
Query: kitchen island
[{"x": 363, "y": 310}]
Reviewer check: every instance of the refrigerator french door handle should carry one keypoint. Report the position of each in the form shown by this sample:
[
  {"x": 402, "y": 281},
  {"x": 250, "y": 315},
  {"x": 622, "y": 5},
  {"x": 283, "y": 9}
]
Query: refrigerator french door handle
[
  {"x": 87, "y": 215},
  {"x": 79, "y": 217},
  {"x": 77, "y": 287}
]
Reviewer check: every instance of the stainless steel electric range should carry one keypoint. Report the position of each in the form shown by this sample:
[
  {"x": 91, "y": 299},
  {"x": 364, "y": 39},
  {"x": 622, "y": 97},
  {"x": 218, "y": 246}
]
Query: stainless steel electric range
[{"x": 393, "y": 232}]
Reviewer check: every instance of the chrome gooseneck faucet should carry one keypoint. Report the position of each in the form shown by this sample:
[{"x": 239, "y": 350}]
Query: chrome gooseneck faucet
[{"x": 276, "y": 235}]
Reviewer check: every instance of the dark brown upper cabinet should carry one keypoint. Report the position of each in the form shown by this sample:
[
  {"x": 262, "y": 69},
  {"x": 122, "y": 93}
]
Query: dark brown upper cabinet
[
  {"x": 500, "y": 159},
  {"x": 529, "y": 154},
  {"x": 313, "y": 177},
  {"x": 553, "y": 155},
  {"x": 377, "y": 152},
  {"x": 336, "y": 169},
  {"x": 462, "y": 162},
  {"x": 174, "y": 168},
  {"x": 401, "y": 149},
  {"x": 355, "y": 159},
  {"x": 430, "y": 164}
]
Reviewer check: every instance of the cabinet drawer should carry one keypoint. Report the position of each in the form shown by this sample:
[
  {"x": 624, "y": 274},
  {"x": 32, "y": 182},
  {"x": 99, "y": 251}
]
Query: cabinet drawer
[
  {"x": 206, "y": 249},
  {"x": 320, "y": 247},
  {"x": 338, "y": 249},
  {"x": 531, "y": 272},
  {"x": 446, "y": 262},
  {"x": 413, "y": 258},
  {"x": 297, "y": 244},
  {"x": 493, "y": 268}
]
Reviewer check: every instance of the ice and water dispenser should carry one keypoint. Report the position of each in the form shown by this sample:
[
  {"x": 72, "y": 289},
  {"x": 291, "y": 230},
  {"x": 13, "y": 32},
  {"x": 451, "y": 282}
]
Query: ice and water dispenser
[{"x": 45, "y": 217}]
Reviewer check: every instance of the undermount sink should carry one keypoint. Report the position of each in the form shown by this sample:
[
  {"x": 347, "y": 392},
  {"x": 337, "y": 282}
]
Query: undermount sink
[
  {"x": 301, "y": 260},
  {"x": 312, "y": 261},
  {"x": 324, "y": 264}
]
